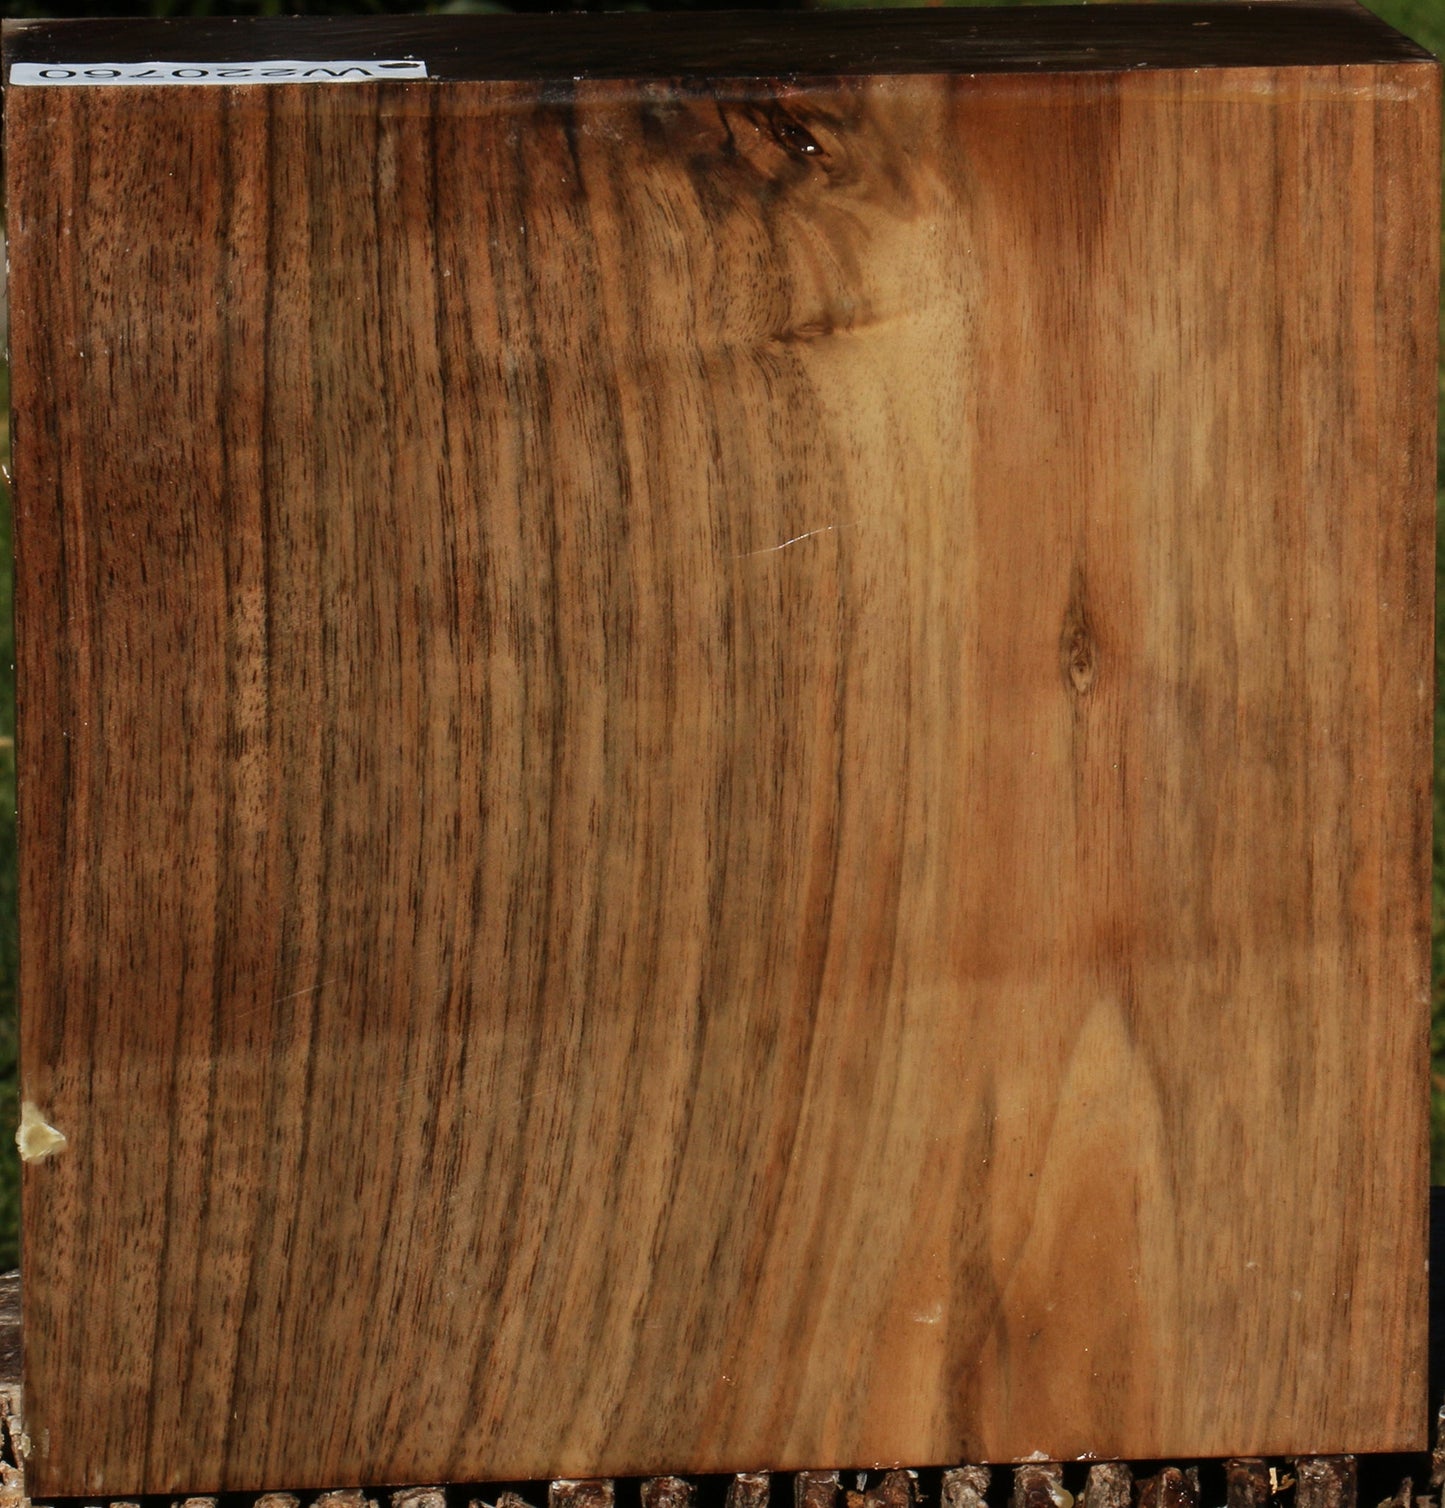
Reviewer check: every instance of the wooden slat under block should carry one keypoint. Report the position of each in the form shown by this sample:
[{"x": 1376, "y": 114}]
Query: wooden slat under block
[{"x": 725, "y": 727}]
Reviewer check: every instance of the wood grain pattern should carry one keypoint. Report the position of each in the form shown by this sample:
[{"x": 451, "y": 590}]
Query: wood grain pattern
[{"x": 721, "y": 776}]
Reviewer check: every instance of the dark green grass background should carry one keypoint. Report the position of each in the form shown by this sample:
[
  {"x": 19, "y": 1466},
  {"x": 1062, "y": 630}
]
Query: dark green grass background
[{"x": 1422, "y": 19}]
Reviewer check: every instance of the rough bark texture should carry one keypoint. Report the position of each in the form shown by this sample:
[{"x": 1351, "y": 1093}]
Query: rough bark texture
[
  {"x": 749, "y": 1489},
  {"x": 1040, "y": 1486},
  {"x": 597, "y": 1492},
  {"x": 1173, "y": 1487},
  {"x": 1246, "y": 1483},
  {"x": 966, "y": 1486},
  {"x": 1325, "y": 1482},
  {"x": 1403, "y": 1497},
  {"x": 1110, "y": 1485},
  {"x": 667, "y": 1492}
]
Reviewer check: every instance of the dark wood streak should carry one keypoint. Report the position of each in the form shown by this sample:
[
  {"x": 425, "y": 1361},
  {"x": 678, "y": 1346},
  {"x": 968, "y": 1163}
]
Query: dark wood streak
[
  {"x": 753, "y": 44},
  {"x": 720, "y": 778}
]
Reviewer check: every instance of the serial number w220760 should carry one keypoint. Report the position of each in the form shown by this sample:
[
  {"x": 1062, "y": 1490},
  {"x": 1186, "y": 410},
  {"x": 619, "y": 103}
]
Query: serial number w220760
[{"x": 267, "y": 71}]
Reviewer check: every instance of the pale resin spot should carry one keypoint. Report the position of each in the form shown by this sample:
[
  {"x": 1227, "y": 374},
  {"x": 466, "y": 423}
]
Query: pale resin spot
[{"x": 37, "y": 1138}]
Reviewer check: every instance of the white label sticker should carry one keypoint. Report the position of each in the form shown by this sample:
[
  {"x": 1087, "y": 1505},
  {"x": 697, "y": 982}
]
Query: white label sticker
[{"x": 270, "y": 71}]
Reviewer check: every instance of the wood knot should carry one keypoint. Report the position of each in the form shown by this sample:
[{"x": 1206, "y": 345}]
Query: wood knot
[
  {"x": 1078, "y": 650},
  {"x": 1081, "y": 663},
  {"x": 792, "y": 135}
]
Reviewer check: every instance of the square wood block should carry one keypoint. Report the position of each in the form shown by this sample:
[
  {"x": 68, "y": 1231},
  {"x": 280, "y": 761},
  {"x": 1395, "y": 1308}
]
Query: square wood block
[{"x": 725, "y": 736}]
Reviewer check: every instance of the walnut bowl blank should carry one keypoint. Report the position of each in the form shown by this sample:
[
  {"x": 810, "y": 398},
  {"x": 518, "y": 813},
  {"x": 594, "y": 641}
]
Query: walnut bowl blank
[{"x": 725, "y": 741}]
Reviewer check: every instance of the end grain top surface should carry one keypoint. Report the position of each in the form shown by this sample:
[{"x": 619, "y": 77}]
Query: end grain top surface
[{"x": 748, "y": 44}]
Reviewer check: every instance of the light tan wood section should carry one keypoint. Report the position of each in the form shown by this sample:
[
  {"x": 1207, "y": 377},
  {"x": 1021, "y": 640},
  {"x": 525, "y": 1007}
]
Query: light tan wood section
[{"x": 723, "y": 777}]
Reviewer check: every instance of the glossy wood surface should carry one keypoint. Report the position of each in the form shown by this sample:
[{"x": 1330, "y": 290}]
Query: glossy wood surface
[
  {"x": 723, "y": 776},
  {"x": 761, "y": 44}
]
